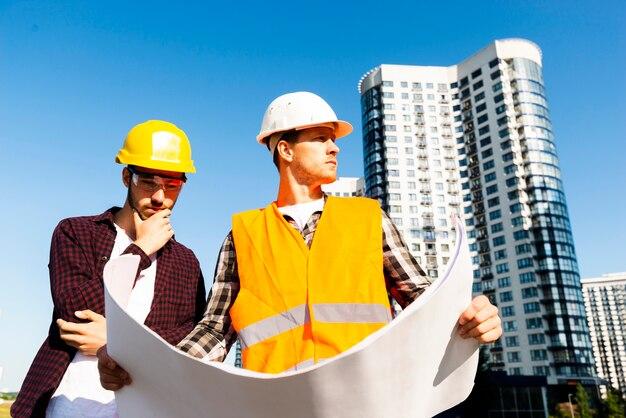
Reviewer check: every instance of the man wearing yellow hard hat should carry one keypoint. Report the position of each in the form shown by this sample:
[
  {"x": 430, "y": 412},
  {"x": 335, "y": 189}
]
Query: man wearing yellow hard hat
[
  {"x": 307, "y": 276},
  {"x": 168, "y": 295}
]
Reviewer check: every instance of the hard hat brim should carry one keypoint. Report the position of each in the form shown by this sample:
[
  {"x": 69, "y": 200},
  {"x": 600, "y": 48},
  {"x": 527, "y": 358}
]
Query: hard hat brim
[{"x": 342, "y": 128}]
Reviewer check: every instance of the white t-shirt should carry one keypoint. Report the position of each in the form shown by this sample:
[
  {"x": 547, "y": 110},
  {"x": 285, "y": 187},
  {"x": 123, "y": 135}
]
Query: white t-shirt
[
  {"x": 80, "y": 393},
  {"x": 301, "y": 212}
]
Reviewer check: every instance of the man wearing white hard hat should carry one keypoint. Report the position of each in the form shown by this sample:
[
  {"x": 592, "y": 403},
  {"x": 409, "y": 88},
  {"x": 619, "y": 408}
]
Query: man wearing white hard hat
[{"x": 308, "y": 276}]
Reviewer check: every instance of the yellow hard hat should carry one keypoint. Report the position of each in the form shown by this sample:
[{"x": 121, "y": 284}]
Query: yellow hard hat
[{"x": 158, "y": 145}]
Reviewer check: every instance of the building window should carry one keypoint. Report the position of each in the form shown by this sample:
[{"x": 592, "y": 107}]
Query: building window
[
  {"x": 527, "y": 277},
  {"x": 497, "y": 241},
  {"x": 506, "y": 296},
  {"x": 508, "y": 311},
  {"x": 496, "y": 227},
  {"x": 479, "y": 97},
  {"x": 388, "y": 83},
  {"x": 493, "y": 202},
  {"x": 487, "y": 153},
  {"x": 535, "y": 339},
  {"x": 534, "y": 323},
  {"x": 529, "y": 292},
  {"x": 502, "y": 268},
  {"x": 487, "y": 166},
  {"x": 495, "y": 74},
  {"x": 531, "y": 307},
  {"x": 500, "y": 254},
  {"x": 498, "y": 98},
  {"x": 524, "y": 263},
  {"x": 481, "y": 107},
  {"x": 504, "y": 282},
  {"x": 509, "y": 326},
  {"x": 493, "y": 62},
  {"x": 508, "y": 156},
  {"x": 513, "y": 357},
  {"x": 482, "y": 118},
  {"x": 519, "y": 235},
  {"x": 523, "y": 249},
  {"x": 512, "y": 182},
  {"x": 496, "y": 214},
  {"x": 491, "y": 189},
  {"x": 511, "y": 341},
  {"x": 477, "y": 85},
  {"x": 483, "y": 130},
  {"x": 516, "y": 207},
  {"x": 538, "y": 355},
  {"x": 490, "y": 176}
]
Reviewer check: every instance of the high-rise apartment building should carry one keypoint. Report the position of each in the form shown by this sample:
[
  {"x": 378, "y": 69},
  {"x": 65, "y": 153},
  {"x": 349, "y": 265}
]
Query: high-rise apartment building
[
  {"x": 605, "y": 302},
  {"x": 476, "y": 138},
  {"x": 411, "y": 157}
]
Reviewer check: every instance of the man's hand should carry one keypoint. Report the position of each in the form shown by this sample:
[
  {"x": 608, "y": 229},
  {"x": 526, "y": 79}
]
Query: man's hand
[
  {"x": 480, "y": 321},
  {"x": 86, "y": 337},
  {"x": 112, "y": 376},
  {"x": 154, "y": 232}
]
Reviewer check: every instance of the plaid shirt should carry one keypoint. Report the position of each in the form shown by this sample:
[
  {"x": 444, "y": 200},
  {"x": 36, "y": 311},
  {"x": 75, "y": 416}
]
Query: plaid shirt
[
  {"x": 214, "y": 334},
  {"x": 80, "y": 248}
]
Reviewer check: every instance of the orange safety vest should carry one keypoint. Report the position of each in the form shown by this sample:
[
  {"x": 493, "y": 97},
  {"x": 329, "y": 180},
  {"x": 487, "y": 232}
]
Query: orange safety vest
[{"x": 297, "y": 306}]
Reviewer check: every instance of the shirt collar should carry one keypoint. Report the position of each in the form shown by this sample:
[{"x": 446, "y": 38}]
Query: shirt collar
[{"x": 107, "y": 216}]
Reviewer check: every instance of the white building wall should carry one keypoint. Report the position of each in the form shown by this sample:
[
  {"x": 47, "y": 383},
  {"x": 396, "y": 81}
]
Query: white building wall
[{"x": 605, "y": 304}]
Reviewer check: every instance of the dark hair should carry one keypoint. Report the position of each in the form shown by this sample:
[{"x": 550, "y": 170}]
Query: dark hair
[{"x": 290, "y": 137}]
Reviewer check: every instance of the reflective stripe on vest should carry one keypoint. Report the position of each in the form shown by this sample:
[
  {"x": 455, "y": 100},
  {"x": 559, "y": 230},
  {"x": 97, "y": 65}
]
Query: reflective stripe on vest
[
  {"x": 351, "y": 312},
  {"x": 324, "y": 312},
  {"x": 274, "y": 325}
]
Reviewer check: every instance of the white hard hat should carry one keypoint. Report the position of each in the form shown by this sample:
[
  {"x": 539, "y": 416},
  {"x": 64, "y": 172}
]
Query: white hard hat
[{"x": 300, "y": 110}]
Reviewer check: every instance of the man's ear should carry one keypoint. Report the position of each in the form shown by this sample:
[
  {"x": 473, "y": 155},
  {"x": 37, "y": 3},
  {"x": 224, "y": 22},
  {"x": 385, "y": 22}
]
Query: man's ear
[
  {"x": 126, "y": 174},
  {"x": 285, "y": 151}
]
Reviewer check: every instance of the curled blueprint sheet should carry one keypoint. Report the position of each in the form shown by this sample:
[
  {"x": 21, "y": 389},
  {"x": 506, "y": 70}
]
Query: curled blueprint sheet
[{"x": 417, "y": 366}]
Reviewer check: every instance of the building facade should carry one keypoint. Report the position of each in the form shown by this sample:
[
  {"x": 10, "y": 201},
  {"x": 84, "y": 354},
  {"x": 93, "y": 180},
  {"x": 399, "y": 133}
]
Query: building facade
[
  {"x": 476, "y": 139},
  {"x": 605, "y": 303},
  {"x": 345, "y": 187}
]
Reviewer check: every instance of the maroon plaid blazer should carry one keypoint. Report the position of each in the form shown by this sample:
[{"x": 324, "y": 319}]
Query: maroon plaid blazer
[{"x": 80, "y": 248}]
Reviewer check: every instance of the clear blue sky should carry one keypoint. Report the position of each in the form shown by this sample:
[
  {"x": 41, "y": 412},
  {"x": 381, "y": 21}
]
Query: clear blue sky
[{"x": 75, "y": 76}]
